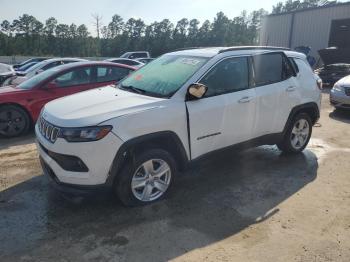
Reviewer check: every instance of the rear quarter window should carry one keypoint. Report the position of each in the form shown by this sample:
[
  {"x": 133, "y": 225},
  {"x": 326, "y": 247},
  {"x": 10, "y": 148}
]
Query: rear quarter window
[{"x": 294, "y": 64}]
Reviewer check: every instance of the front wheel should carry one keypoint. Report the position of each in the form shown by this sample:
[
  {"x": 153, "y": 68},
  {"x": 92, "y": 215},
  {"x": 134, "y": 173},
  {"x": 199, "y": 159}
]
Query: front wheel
[
  {"x": 298, "y": 134},
  {"x": 14, "y": 121},
  {"x": 146, "y": 179}
]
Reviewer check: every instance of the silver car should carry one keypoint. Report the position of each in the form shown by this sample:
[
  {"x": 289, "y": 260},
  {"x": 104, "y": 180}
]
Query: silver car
[
  {"x": 340, "y": 93},
  {"x": 38, "y": 68}
]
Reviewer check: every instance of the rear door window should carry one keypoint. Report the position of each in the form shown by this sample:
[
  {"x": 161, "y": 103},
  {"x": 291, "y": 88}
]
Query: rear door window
[
  {"x": 138, "y": 55},
  {"x": 111, "y": 73},
  {"x": 268, "y": 69},
  {"x": 78, "y": 76}
]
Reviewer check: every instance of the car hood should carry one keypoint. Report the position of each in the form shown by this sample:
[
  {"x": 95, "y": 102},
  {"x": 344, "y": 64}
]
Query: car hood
[
  {"x": 345, "y": 81},
  {"x": 96, "y": 106},
  {"x": 18, "y": 80},
  {"x": 8, "y": 73},
  {"x": 333, "y": 55}
]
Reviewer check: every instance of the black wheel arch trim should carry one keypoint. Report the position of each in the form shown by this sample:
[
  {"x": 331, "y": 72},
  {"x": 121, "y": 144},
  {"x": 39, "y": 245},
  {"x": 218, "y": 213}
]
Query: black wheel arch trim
[
  {"x": 303, "y": 108},
  {"x": 127, "y": 151}
]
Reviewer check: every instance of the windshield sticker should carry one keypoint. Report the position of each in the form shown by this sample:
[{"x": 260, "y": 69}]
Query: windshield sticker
[
  {"x": 138, "y": 77},
  {"x": 189, "y": 61}
]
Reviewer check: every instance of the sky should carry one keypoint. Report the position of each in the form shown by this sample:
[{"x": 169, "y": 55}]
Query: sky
[{"x": 79, "y": 11}]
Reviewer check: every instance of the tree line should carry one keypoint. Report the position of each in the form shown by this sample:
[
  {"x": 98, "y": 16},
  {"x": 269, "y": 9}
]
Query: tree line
[{"x": 28, "y": 36}]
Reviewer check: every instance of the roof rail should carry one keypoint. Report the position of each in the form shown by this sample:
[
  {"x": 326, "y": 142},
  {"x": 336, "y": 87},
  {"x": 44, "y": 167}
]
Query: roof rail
[
  {"x": 186, "y": 48},
  {"x": 237, "y": 48}
]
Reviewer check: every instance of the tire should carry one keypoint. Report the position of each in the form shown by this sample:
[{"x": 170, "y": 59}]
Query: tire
[
  {"x": 297, "y": 135},
  {"x": 14, "y": 121},
  {"x": 135, "y": 186}
]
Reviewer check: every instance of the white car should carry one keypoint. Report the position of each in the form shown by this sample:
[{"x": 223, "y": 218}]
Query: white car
[
  {"x": 6, "y": 72},
  {"x": 340, "y": 94},
  {"x": 136, "y": 54},
  {"x": 134, "y": 137}
]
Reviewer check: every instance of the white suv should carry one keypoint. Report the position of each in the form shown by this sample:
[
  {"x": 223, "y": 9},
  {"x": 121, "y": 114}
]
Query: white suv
[{"x": 135, "y": 136}]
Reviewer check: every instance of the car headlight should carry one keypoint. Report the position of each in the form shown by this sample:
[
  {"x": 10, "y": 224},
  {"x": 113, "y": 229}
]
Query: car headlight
[
  {"x": 84, "y": 134},
  {"x": 337, "y": 87}
]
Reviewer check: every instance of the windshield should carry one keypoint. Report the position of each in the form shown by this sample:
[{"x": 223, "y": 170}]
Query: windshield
[
  {"x": 35, "y": 67},
  {"x": 26, "y": 66},
  {"x": 5, "y": 68},
  {"x": 125, "y": 55},
  {"x": 30, "y": 83},
  {"x": 164, "y": 76}
]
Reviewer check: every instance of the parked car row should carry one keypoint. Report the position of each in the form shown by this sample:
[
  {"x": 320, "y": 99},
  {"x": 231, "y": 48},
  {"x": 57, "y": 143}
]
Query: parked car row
[
  {"x": 29, "y": 61},
  {"x": 38, "y": 68},
  {"x": 20, "y": 104},
  {"x": 6, "y": 72},
  {"x": 31, "y": 67}
]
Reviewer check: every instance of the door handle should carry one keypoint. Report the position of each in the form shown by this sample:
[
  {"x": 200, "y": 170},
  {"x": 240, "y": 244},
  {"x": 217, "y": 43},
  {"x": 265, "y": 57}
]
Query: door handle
[
  {"x": 290, "y": 88},
  {"x": 245, "y": 99}
]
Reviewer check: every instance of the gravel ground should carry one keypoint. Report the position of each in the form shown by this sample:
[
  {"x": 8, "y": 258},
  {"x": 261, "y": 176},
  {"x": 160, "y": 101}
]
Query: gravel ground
[{"x": 257, "y": 205}]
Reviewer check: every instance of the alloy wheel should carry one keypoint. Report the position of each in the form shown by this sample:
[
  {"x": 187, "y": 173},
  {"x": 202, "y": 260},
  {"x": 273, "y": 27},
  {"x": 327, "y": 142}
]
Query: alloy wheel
[
  {"x": 151, "y": 180},
  {"x": 300, "y": 133},
  {"x": 12, "y": 123}
]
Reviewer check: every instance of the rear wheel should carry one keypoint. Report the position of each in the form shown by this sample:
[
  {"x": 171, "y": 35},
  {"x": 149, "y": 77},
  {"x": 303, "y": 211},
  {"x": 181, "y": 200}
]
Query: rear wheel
[
  {"x": 14, "y": 121},
  {"x": 298, "y": 134},
  {"x": 146, "y": 180}
]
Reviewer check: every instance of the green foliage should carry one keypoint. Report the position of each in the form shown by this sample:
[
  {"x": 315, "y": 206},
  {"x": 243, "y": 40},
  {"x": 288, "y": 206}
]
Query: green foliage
[
  {"x": 28, "y": 36},
  {"x": 291, "y": 5}
]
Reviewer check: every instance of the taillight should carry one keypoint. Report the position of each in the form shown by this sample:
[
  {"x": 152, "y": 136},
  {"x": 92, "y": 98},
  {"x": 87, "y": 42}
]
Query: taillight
[{"x": 319, "y": 83}]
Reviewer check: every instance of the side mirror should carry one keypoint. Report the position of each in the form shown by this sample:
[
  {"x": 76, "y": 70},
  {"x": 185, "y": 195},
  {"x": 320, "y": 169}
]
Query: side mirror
[{"x": 196, "y": 91}]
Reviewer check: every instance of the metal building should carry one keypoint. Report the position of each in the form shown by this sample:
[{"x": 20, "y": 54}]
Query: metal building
[{"x": 318, "y": 28}]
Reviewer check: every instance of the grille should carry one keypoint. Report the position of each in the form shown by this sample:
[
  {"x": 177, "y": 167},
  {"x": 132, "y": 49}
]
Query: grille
[
  {"x": 347, "y": 90},
  {"x": 49, "y": 131}
]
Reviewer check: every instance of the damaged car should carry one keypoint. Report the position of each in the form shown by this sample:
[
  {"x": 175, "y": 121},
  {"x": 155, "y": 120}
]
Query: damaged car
[{"x": 336, "y": 65}]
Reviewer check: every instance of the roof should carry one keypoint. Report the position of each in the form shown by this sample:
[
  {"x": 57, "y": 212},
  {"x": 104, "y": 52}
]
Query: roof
[
  {"x": 63, "y": 59},
  {"x": 241, "y": 50},
  {"x": 311, "y": 9},
  {"x": 92, "y": 63},
  {"x": 121, "y": 58}
]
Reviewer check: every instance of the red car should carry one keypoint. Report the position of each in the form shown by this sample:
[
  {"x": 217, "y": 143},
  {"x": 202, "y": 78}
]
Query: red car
[{"x": 20, "y": 105}]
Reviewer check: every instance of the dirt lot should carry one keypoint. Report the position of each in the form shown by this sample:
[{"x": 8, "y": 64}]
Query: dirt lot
[{"x": 258, "y": 205}]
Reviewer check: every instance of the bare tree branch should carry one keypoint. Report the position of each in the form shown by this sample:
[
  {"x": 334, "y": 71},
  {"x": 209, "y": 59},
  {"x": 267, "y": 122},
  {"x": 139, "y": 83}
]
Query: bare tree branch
[{"x": 97, "y": 22}]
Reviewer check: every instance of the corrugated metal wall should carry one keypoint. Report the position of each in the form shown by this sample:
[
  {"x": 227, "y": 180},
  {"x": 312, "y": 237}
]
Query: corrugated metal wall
[
  {"x": 275, "y": 30},
  {"x": 311, "y": 28}
]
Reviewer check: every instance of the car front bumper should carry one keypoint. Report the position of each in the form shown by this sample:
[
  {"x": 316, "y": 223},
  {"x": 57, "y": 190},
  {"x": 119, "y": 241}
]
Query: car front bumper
[
  {"x": 339, "y": 99},
  {"x": 97, "y": 156},
  {"x": 69, "y": 188}
]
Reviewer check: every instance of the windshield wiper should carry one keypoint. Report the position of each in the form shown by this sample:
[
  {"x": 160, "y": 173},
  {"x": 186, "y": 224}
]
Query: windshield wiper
[
  {"x": 140, "y": 91},
  {"x": 133, "y": 89}
]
